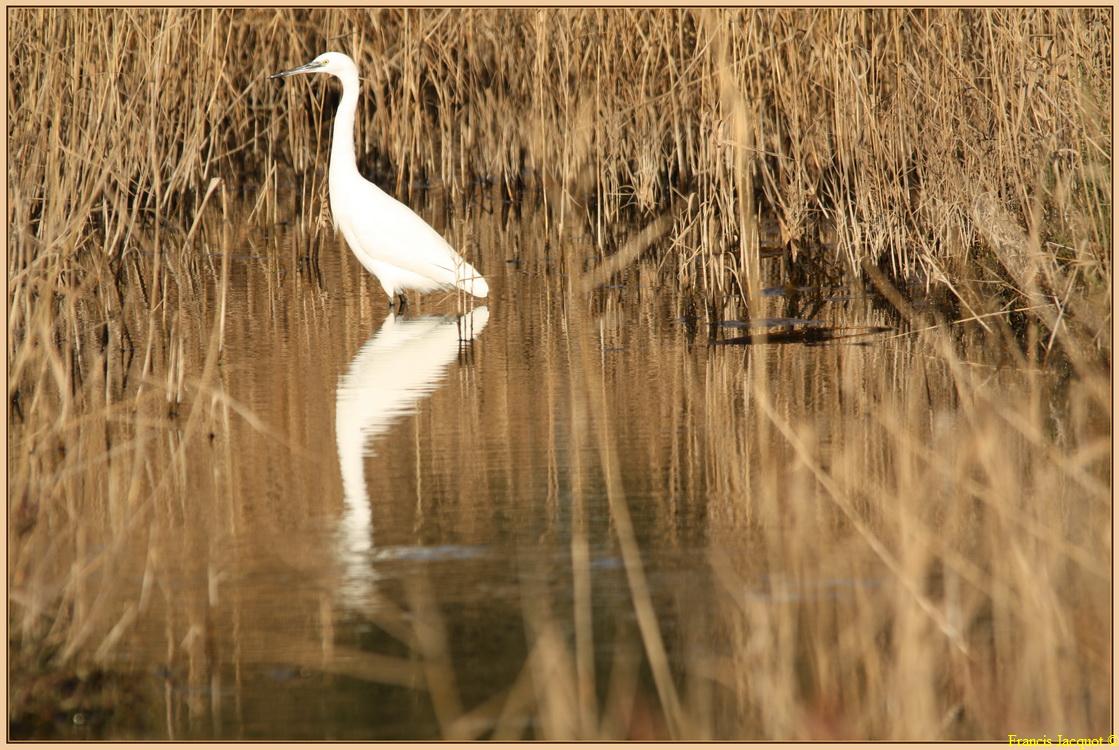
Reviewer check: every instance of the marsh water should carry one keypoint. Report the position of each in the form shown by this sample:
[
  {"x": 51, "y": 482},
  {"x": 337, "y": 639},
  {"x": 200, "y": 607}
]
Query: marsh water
[{"x": 506, "y": 520}]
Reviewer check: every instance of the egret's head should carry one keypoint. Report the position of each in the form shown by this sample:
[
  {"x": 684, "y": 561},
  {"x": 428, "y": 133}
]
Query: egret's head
[{"x": 334, "y": 63}]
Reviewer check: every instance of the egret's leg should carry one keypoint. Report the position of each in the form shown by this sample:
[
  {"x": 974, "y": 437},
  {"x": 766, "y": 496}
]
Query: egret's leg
[{"x": 403, "y": 303}]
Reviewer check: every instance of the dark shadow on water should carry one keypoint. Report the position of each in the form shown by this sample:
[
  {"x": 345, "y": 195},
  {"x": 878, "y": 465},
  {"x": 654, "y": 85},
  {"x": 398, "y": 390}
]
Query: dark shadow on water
[{"x": 807, "y": 334}]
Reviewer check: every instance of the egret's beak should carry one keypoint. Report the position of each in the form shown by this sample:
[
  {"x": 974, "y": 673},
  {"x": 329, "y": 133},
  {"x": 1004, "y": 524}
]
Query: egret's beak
[{"x": 308, "y": 68}]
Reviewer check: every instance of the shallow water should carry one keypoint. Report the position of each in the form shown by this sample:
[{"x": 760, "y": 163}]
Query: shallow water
[{"x": 406, "y": 527}]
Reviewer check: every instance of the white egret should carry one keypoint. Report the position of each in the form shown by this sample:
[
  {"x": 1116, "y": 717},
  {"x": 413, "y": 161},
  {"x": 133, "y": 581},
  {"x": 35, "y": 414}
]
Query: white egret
[{"x": 388, "y": 238}]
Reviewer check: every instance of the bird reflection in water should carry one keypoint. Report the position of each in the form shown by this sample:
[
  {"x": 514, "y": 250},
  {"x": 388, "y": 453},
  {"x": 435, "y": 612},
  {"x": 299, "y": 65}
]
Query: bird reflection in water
[{"x": 394, "y": 371}]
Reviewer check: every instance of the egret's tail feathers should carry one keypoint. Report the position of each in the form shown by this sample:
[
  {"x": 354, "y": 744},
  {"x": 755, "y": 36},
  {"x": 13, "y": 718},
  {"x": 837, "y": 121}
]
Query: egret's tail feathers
[{"x": 471, "y": 282}]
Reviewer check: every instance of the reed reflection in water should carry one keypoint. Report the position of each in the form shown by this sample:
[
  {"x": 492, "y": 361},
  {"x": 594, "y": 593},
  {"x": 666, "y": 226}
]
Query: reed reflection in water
[{"x": 596, "y": 524}]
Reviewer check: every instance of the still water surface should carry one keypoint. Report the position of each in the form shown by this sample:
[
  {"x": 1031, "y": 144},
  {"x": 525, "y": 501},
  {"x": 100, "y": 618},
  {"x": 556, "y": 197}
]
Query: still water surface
[{"x": 416, "y": 526}]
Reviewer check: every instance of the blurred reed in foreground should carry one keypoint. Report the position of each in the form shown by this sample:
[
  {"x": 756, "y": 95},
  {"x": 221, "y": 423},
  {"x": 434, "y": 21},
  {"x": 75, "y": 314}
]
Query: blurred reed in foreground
[{"x": 898, "y": 536}]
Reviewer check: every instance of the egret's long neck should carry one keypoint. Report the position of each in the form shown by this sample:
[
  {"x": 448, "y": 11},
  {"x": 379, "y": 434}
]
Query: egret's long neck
[{"x": 342, "y": 148}]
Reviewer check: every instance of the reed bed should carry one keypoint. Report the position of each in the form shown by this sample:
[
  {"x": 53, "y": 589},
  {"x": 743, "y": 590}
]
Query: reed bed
[
  {"x": 909, "y": 139},
  {"x": 958, "y": 161}
]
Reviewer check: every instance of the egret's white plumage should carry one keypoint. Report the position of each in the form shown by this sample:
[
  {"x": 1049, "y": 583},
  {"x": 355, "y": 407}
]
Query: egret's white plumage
[{"x": 390, "y": 240}]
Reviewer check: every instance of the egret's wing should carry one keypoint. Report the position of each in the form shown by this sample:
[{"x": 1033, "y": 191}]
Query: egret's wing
[{"x": 389, "y": 231}]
